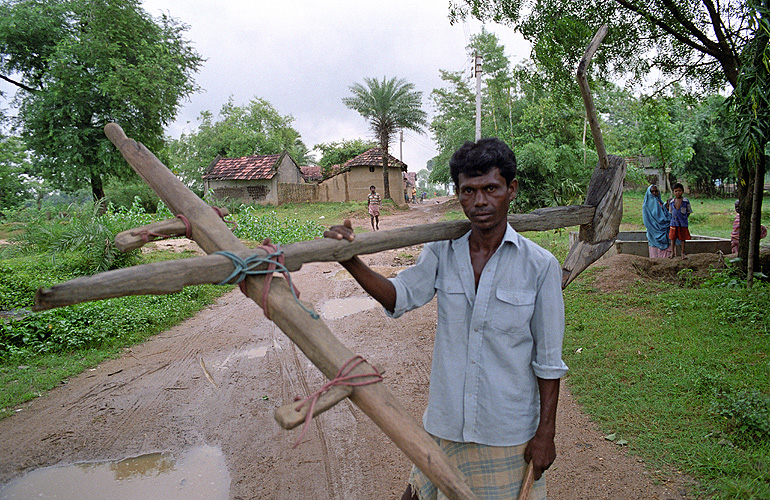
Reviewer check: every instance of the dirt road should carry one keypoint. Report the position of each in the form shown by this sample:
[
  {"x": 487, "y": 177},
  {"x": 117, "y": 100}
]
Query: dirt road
[{"x": 216, "y": 379}]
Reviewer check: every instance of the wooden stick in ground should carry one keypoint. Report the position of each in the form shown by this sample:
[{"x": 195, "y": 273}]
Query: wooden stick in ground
[
  {"x": 312, "y": 336},
  {"x": 170, "y": 277},
  {"x": 529, "y": 480}
]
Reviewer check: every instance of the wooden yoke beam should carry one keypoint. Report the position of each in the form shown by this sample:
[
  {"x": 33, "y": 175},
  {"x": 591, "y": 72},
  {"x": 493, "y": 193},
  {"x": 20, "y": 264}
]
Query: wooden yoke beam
[{"x": 312, "y": 336}]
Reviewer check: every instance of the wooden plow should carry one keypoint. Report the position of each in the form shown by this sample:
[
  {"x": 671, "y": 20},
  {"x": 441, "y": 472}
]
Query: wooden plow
[{"x": 598, "y": 219}]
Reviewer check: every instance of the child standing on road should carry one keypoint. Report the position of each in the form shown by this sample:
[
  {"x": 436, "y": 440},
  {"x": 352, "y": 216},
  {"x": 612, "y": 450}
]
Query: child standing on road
[{"x": 680, "y": 209}]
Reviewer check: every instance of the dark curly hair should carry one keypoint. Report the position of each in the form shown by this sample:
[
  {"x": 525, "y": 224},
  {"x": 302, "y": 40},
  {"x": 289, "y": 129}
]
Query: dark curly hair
[{"x": 475, "y": 159}]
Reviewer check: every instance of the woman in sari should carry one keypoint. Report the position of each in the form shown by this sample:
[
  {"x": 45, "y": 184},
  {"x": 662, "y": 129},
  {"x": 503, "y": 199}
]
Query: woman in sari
[{"x": 657, "y": 220}]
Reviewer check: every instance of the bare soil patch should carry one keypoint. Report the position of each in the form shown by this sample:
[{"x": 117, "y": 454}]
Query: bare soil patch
[{"x": 157, "y": 397}]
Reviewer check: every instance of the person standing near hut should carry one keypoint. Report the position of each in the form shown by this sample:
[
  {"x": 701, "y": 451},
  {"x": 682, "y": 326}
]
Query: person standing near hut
[
  {"x": 657, "y": 220},
  {"x": 373, "y": 204},
  {"x": 494, "y": 382}
]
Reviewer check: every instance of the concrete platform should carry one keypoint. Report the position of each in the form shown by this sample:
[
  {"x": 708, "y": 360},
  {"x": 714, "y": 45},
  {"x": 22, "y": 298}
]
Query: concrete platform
[{"x": 635, "y": 243}]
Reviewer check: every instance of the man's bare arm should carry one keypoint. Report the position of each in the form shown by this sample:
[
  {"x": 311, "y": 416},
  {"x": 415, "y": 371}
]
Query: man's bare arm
[
  {"x": 374, "y": 283},
  {"x": 541, "y": 449}
]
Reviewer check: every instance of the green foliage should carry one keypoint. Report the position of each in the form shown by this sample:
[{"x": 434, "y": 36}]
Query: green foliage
[
  {"x": 256, "y": 128},
  {"x": 127, "y": 193},
  {"x": 746, "y": 414},
  {"x": 256, "y": 226},
  {"x": 551, "y": 176},
  {"x": 83, "y": 64},
  {"x": 95, "y": 324},
  {"x": 81, "y": 230},
  {"x": 337, "y": 153},
  {"x": 15, "y": 186},
  {"x": 711, "y": 158},
  {"x": 389, "y": 105},
  {"x": 689, "y": 40},
  {"x": 545, "y": 132}
]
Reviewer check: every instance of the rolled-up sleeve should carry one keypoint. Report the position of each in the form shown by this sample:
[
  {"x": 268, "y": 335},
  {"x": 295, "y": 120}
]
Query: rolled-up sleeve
[
  {"x": 416, "y": 285},
  {"x": 547, "y": 325}
]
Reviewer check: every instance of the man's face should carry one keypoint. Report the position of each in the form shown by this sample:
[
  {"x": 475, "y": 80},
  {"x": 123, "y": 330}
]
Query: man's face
[
  {"x": 372, "y": 190},
  {"x": 485, "y": 199},
  {"x": 678, "y": 192}
]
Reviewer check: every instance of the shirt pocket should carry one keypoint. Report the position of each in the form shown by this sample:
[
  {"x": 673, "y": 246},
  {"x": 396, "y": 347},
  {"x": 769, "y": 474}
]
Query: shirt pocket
[
  {"x": 512, "y": 311},
  {"x": 452, "y": 303}
]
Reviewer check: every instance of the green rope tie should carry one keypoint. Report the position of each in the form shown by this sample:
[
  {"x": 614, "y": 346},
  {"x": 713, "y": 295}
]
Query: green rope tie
[{"x": 249, "y": 267}]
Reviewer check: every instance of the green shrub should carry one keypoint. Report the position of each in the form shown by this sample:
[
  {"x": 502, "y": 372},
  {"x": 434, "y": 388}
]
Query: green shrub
[
  {"x": 80, "y": 229},
  {"x": 125, "y": 194},
  {"x": 95, "y": 324},
  {"x": 746, "y": 414},
  {"x": 256, "y": 227}
]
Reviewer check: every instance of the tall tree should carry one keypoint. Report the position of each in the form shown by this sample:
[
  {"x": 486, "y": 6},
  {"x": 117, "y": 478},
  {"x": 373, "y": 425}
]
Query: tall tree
[
  {"x": 694, "y": 40},
  {"x": 750, "y": 104},
  {"x": 255, "y": 128},
  {"x": 664, "y": 137},
  {"x": 700, "y": 42},
  {"x": 79, "y": 64},
  {"x": 15, "y": 170},
  {"x": 389, "y": 105}
]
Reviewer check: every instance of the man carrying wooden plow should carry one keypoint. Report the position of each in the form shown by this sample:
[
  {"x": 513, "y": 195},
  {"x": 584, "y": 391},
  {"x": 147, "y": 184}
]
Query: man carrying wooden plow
[{"x": 497, "y": 357}]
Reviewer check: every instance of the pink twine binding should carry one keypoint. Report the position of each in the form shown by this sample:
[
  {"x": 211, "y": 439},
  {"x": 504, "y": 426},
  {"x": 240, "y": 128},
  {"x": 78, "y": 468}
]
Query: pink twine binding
[{"x": 343, "y": 378}]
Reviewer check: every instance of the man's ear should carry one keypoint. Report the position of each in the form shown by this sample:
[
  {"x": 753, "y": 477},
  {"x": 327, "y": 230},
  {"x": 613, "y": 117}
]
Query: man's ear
[{"x": 513, "y": 188}]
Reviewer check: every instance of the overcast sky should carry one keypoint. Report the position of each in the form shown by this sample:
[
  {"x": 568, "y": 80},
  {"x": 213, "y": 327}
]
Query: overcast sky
[{"x": 302, "y": 56}]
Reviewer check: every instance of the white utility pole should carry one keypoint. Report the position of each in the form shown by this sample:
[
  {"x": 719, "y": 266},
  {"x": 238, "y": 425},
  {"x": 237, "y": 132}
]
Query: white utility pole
[
  {"x": 477, "y": 73},
  {"x": 401, "y": 147}
]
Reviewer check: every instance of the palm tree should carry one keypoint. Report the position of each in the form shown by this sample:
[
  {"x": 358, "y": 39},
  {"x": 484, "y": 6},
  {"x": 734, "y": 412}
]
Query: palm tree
[{"x": 389, "y": 106}]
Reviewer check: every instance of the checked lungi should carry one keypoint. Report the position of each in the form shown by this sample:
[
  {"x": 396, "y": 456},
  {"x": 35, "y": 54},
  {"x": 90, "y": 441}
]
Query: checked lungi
[{"x": 492, "y": 472}]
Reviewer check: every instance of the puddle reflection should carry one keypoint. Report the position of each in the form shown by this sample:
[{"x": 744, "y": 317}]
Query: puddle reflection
[{"x": 201, "y": 473}]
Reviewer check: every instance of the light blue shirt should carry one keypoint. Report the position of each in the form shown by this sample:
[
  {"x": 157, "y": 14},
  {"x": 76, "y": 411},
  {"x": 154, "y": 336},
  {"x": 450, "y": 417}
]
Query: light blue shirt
[{"x": 492, "y": 343}]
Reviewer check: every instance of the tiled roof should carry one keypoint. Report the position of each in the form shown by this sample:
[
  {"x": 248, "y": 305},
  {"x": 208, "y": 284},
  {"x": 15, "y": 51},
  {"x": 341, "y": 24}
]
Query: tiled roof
[
  {"x": 411, "y": 178},
  {"x": 246, "y": 168},
  {"x": 373, "y": 157},
  {"x": 311, "y": 173}
]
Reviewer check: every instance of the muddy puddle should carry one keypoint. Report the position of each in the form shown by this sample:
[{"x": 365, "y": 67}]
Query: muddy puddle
[
  {"x": 200, "y": 473},
  {"x": 339, "y": 308}
]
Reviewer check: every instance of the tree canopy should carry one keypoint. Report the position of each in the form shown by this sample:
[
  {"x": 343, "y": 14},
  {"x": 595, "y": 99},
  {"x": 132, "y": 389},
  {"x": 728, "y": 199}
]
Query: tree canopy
[
  {"x": 79, "y": 64},
  {"x": 255, "y": 128},
  {"x": 389, "y": 105},
  {"x": 698, "y": 41},
  {"x": 543, "y": 130}
]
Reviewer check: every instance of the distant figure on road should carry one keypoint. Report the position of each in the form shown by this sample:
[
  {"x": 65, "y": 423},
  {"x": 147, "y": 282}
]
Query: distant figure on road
[
  {"x": 657, "y": 220},
  {"x": 373, "y": 203}
]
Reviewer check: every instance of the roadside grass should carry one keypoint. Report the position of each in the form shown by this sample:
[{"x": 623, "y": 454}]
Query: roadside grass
[{"x": 681, "y": 374}]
